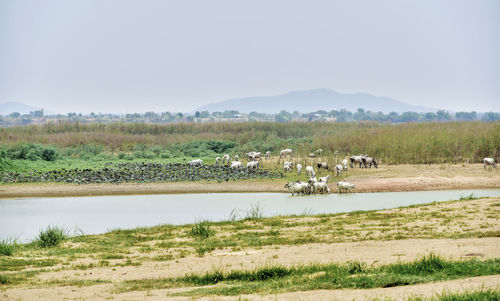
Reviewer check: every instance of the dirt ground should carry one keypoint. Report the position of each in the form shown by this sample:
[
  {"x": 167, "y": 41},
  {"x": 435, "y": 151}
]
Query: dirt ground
[
  {"x": 385, "y": 178},
  {"x": 372, "y": 252}
]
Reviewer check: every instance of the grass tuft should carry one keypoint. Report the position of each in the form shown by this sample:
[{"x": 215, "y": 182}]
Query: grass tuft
[
  {"x": 482, "y": 295},
  {"x": 468, "y": 197},
  {"x": 8, "y": 246},
  {"x": 255, "y": 211},
  {"x": 201, "y": 230},
  {"x": 51, "y": 237}
]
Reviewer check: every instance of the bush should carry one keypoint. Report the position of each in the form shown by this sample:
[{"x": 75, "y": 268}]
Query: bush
[
  {"x": 91, "y": 149},
  {"x": 144, "y": 155},
  {"x": 201, "y": 230},
  {"x": 51, "y": 237},
  {"x": 204, "y": 148},
  {"x": 165, "y": 155},
  {"x": 8, "y": 247},
  {"x": 29, "y": 151},
  {"x": 49, "y": 154}
]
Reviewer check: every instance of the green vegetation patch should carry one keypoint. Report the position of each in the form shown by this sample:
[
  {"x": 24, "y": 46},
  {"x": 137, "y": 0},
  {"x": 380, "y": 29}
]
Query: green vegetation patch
[
  {"x": 276, "y": 279},
  {"x": 51, "y": 237},
  {"x": 202, "y": 230},
  {"x": 140, "y": 172},
  {"x": 8, "y": 246},
  {"x": 481, "y": 295}
]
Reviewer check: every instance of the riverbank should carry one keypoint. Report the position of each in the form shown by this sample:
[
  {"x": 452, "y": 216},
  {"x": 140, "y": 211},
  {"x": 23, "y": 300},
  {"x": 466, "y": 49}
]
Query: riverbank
[
  {"x": 390, "y": 178},
  {"x": 151, "y": 263}
]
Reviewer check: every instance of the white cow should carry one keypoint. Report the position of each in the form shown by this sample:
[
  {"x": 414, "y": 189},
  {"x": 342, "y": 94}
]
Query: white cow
[
  {"x": 325, "y": 179},
  {"x": 321, "y": 187},
  {"x": 298, "y": 188},
  {"x": 286, "y": 152},
  {"x": 299, "y": 168},
  {"x": 357, "y": 160},
  {"x": 310, "y": 171},
  {"x": 338, "y": 168},
  {"x": 196, "y": 162},
  {"x": 312, "y": 180},
  {"x": 288, "y": 166},
  {"x": 225, "y": 159},
  {"x": 253, "y": 156},
  {"x": 341, "y": 186},
  {"x": 268, "y": 155},
  {"x": 490, "y": 162},
  {"x": 253, "y": 165},
  {"x": 345, "y": 162},
  {"x": 236, "y": 165},
  {"x": 368, "y": 161}
]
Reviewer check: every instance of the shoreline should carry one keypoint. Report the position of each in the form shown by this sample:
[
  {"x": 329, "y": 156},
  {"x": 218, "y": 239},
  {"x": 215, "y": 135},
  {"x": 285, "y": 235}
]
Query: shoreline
[{"x": 363, "y": 185}]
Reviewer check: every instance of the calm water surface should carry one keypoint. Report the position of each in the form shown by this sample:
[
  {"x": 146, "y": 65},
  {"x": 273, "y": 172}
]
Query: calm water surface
[{"x": 23, "y": 218}]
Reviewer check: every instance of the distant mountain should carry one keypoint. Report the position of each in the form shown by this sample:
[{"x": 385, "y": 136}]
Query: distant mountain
[
  {"x": 11, "y": 107},
  {"x": 313, "y": 100}
]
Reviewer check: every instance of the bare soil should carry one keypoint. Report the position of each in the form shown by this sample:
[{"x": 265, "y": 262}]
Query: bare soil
[{"x": 371, "y": 252}]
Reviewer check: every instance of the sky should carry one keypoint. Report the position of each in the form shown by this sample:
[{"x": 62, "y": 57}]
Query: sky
[{"x": 126, "y": 56}]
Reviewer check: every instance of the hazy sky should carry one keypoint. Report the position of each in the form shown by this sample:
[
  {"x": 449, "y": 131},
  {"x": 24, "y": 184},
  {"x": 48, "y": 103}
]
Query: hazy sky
[{"x": 136, "y": 56}]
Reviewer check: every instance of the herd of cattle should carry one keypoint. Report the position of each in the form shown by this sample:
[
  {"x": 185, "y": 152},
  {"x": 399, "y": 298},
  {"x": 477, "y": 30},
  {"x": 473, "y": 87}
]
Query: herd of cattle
[{"x": 313, "y": 185}]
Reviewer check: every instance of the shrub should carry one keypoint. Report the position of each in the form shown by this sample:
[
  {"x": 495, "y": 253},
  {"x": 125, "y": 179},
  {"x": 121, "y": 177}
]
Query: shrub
[
  {"x": 30, "y": 151},
  {"x": 49, "y": 154},
  {"x": 51, "y": 237},
  {"x": 8, "y": 247},
  {"x": 201, "y": 230},
  {"x": 91, "y": 149},
  {"x": 165, "y": 155},
  {"x": 144, "y": 155}
]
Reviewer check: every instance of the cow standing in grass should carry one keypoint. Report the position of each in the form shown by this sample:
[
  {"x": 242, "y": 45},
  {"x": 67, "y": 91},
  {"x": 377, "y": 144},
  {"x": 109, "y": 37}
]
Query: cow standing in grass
[{"x": 489, "y": 162}]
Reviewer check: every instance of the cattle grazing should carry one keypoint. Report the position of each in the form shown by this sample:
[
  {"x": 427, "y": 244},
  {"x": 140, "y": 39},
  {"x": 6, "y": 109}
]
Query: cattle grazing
[
  {"x": 368, "y": 161},
  {"x": 286, "y": 152},
  {"x": 236, "y": 165},
  {"x": 196, "y": 162},
  {"x": 356, "y": 160},
  {"x": 298, "y": 188},
  {"x": 323, "y": 165},
  {"x": 325, "y": 179},
  {"x": 288, "y": 166},
  {"x": 299, "y": 168},
  {"x": 344, "y": 163},
  {"x": 253, "y": 165},
  {"x": 310, "y": 171},
  {"x": 320, "y": 187},
  {"x": 344, "y": 186},
  {"x": 338, "y": 168},
  {"x": 489, "y": 162}
]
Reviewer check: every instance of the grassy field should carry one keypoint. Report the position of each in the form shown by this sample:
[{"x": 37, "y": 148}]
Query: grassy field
[
  {"x": 247, "y": 255},
  {"x": 417, "y": 143}
]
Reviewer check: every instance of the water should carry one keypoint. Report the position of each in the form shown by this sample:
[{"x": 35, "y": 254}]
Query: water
[{"x": 23, "y": 218}]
